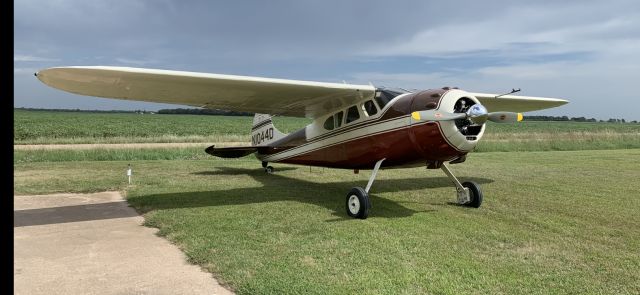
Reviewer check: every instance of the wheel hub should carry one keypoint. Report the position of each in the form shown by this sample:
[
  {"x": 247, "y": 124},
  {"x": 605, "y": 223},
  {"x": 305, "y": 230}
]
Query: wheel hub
[{"x": 354, "y": 204}]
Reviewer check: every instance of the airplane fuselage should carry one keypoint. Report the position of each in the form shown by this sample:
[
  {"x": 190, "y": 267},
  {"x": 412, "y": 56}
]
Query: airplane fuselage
[{"x": 392, "y": 135}]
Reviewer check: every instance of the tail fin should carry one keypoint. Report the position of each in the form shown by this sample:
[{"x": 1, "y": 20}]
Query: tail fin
[{"x": 263, "y": 132}]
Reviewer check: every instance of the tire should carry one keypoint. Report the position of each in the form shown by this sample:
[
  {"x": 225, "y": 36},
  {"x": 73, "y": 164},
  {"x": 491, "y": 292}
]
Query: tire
[
  {"x": 269, "y": 169},
  {"x": 357, "y": 203},
  {"x": 475, "y": 194}
]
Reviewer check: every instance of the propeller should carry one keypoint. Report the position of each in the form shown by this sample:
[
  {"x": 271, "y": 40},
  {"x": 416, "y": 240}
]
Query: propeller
[{"x": 477, "y": 114}]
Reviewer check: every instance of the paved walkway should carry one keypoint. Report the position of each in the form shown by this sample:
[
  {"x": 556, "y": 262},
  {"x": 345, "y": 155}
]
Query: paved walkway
[{"x": 95, "y": 244}]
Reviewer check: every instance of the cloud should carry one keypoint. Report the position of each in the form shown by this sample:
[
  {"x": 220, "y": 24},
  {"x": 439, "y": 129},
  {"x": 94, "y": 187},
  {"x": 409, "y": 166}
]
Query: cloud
[
  {"x": 580, "y": 49},
  {"x": 28, "y": 58},
  {"x": 135, "y": 61},
  {"x": 521, "y": 32},
  {"x": 25, "y": 70}
]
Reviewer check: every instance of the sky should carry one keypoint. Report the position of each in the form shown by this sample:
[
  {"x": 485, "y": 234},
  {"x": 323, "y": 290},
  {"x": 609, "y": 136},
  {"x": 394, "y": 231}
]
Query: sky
[{"x": 585, "y": 51}]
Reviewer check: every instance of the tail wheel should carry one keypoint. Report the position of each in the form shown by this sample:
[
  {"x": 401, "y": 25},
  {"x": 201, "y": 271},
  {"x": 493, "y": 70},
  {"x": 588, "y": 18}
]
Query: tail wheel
[
  {"x": 269, "y": 169},
  {"x": 358, "y": 203},
  {"x": 475, "y": 194}
]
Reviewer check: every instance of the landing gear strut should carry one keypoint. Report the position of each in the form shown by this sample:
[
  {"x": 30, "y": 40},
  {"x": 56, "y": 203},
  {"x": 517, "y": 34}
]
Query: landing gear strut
[
  {"x": 358, "y": 203},
  {"x": 469, "y": 193},
  {"x": 268, "y": 169}
]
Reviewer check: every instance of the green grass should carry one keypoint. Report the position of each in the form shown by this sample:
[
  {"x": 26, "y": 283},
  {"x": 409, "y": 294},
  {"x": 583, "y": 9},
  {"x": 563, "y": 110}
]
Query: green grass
[
  {"x": 552, "y": 222},
  {"x": 38, "y": 127},
  {"x": 41, "y": 127},
  {"x": 66, "y": 155},
  {"x": 596, "y": 141},
  {"x": 558, "y": 136}
]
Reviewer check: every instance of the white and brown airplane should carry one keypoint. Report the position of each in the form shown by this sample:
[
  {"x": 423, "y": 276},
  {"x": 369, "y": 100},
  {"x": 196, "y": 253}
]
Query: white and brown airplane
[{"x": 354, "y": 126}]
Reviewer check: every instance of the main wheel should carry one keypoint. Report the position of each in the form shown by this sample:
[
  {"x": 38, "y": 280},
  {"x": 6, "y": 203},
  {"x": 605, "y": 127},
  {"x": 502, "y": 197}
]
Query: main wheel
[
  {"x": 269, "y": 169},
  {"x": 358, "y": 203},
  {"x": 475, "y": 194}
]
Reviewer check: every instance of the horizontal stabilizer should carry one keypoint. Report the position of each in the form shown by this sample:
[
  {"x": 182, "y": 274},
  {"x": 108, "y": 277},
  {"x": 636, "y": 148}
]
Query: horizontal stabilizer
[{"x": 231, "y": 152}]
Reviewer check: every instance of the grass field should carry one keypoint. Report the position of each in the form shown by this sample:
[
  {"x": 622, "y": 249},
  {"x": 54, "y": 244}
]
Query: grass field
[
  {"x": 38, "y": 127},
  {"x": 552, "y": 222}
]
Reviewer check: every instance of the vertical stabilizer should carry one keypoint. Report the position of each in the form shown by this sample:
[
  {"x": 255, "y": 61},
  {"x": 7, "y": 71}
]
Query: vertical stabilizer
[{"x": 263, "y": 132}]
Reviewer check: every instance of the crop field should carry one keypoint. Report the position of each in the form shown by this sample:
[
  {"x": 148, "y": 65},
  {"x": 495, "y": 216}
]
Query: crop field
[
  {"x": 43, "y": 127},
  {"x": 40, "y": 127},
  {"x": 561, "y": 217}
]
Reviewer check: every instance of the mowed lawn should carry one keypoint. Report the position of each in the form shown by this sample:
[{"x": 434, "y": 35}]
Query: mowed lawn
[{"x": 552, "y": 222}]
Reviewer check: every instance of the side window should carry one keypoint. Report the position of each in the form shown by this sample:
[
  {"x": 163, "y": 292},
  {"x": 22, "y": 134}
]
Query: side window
[
  {"x": 352, "y": 114},
  {"x": 369, "y": 108},
  {"x": 328, "y": 124},
  {"x": 338, "y": 118}
]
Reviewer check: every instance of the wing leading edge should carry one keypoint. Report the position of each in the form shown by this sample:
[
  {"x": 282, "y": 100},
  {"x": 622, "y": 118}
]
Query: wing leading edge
[
  {"x": 515, "y": 103},
  {"x": 237, "y": 93},
  {"x": 293, "y": 98}
]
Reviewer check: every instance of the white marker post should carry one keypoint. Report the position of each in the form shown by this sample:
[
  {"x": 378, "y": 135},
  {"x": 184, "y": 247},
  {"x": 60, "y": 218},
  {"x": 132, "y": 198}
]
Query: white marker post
[{"x": 129, "y": 173}]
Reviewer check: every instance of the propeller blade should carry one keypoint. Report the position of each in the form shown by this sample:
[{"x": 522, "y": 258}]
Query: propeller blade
[
  {"x": 434, "y": 115},
  {"x": 505, "y": 117}
]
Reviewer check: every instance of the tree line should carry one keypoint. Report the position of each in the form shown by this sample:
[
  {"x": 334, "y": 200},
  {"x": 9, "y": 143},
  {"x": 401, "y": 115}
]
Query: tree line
[
  {"x": 86, "y": 111},
  {"x": 574, "y": 119}
]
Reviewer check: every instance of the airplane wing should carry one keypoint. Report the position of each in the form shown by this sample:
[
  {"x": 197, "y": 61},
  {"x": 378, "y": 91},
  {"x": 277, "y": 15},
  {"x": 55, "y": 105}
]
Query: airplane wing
[
  {"x": 214, "y": 91},
  {"x": 515, "y": 103}
]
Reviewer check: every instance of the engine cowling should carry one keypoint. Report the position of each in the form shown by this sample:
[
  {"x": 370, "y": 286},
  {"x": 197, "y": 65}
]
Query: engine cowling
[{"x": 461, "y": 134}]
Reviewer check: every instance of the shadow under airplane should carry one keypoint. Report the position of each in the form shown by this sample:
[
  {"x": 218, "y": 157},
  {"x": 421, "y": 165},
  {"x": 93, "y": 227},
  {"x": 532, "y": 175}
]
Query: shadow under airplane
[{"x": 277, "y": 187}]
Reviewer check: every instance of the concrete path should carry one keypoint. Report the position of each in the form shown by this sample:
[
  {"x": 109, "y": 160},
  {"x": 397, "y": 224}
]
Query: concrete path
[{"x": 95, "y": 244}]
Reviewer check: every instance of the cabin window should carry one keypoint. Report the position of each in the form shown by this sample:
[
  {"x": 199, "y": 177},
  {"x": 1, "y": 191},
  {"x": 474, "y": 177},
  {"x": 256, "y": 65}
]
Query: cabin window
[
  {"x": 369, "y": 108},
  {"x": 338, "y": 119},
  {"x": 352, "y": 114},
  {"x": 334, "y": 121},
  {"x": 328, "y": 124}
]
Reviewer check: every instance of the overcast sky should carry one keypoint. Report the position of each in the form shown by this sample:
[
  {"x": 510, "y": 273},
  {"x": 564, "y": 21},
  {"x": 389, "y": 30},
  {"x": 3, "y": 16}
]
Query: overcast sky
[{"x": 585, "y": 51}]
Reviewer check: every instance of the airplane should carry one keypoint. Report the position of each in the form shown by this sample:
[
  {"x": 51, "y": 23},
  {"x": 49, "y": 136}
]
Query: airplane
[{"x": 357, "y": 127}]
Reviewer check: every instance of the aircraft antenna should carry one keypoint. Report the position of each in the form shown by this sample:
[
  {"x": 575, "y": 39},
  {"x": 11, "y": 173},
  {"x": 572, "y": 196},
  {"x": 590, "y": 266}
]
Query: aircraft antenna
[{"x": 513, "y": 90}]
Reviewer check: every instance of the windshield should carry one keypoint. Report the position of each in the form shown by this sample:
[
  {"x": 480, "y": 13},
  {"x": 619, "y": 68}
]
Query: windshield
[{"x": 385, "y": 95}]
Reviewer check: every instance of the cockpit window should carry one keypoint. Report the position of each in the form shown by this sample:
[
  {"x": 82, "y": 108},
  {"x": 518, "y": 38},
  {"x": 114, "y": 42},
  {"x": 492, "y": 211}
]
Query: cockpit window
[
  {"x": 369, "y": 108},
  {"x": 385, "y": 95},
  {"x": 352, "y": 114}
]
